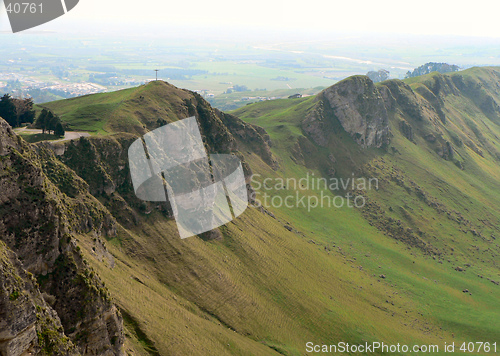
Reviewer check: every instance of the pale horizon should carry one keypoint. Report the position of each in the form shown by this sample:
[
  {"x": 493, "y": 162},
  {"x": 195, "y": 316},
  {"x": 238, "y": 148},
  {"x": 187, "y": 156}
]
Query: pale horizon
[{"x": 387, "y": 16}]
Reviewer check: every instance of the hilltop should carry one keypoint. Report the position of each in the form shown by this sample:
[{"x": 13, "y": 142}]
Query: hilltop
[{"x": 132, "y": 110}]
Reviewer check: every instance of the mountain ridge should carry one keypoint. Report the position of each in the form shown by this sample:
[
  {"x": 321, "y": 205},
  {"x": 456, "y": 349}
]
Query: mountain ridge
[{"x": 276, "y": 278}]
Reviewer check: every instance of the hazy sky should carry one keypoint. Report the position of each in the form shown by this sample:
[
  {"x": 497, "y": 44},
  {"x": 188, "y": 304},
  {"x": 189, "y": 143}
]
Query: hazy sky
[{"x": 478, "y": 18}]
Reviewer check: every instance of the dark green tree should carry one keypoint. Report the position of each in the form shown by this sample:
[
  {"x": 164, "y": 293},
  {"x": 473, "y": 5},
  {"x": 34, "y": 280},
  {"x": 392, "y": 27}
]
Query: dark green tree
[
  {"x": 41, "y": 121},
  {"x": 29, "y": 116},
  {"x": 59, "y": 129},
  {"x": 50, "y": 122},
  {"x": 24, "y": 110},
  {"x": 7, "y": 109}
]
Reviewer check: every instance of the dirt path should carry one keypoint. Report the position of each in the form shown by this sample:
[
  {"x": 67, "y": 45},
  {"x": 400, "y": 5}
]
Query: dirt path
[{"x": 69, "y": 135}]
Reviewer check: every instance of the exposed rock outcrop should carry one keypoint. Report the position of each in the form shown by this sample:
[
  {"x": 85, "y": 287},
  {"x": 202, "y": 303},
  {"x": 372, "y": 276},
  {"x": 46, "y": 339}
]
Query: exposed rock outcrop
[
  {"x": 255, "y": 137},
  {"x": 359, "y": 107},
  {"x": 38, "y": 223},
  {"x": 102, "y": 162},
  {"x": 406, "y": 130},
  {"x": 28, "y": 324}
]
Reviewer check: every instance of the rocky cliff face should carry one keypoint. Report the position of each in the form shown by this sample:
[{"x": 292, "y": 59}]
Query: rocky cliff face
[
  {"x": 52, "y": 302},
  {"x": 364, "y": 110},
  {"x": 102, "y": 162},
  {"x": 359, "y": 108},
  {"x": 423, "y": 110},
  {"x": 28, "y": 324}
]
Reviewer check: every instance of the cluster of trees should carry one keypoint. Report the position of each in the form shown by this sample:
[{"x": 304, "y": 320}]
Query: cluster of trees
[
  {"x": 47, "y": 121},
  {"x": 237, "y": 88},
  {"x": 20, "y": 111},
  {"x": 378, "y": 76},
  {"x": 16, "y": 111},
  {"x": 432, "y": 67}
]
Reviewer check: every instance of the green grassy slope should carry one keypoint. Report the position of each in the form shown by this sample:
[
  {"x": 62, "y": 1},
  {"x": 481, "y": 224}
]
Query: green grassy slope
[
  {"x": 452, "y": 204},
  {"x": 119, "y": 111},
  {"x": 259, "y": 289},
  {"x": 387, "y": 272}
]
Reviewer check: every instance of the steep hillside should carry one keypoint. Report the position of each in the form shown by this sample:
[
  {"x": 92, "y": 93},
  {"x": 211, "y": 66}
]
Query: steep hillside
[
  {"x": 417, "y": 264},
  {"x": 52, "y": 302},
  {"x": 255, "y": 286},
  {"x": 438, "y": 184}
]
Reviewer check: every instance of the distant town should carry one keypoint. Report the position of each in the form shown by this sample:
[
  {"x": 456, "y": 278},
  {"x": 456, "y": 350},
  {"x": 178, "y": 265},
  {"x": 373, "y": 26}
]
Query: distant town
[{"x": 21, "y": 84}]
